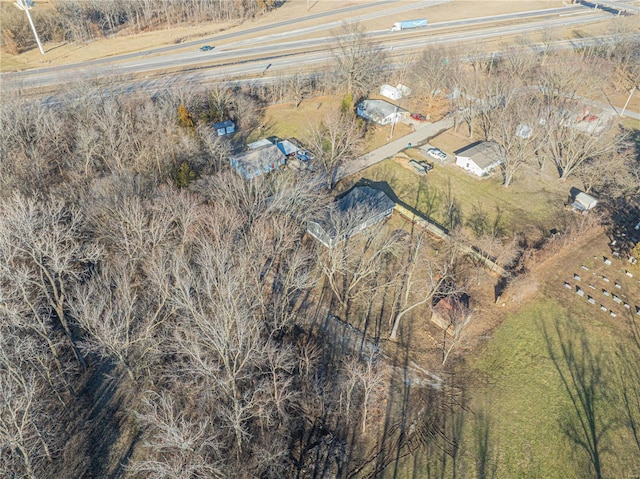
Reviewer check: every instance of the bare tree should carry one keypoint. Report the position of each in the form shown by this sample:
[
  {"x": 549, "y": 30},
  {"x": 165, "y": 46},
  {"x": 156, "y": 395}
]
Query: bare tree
[
  {"x": 357, "y": 59},
  {"x": 43, "y": 255},
  {"x": 435, "y": 73},
  {"x": 513, "y": 129},
  {"x": 181, "y": 446},
  {"x": 352, "y": 265},
  {"x": 334, "y": 141},
  {"x": 364, "y": 376},
  {"x": 424, "y": 275},
  {"x": 27, "y": 430},
  {"x": 458, "y": 322}
]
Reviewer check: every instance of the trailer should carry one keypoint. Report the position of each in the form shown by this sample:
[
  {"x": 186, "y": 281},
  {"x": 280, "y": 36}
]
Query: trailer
[{"x": 407, "y": 24}]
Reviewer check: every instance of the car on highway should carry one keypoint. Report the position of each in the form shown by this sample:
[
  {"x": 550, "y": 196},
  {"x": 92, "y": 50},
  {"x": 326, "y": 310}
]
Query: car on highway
[
  {"x": 437, "y": 153},
  {"x": 206, "y": 48},
  {"x": 418, "y": 117}
]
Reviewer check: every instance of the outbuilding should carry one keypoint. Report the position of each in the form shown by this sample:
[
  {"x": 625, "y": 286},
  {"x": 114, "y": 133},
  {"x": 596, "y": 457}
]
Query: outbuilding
[
  {"x": 380, "y": 111},
  {"x": 359, "y": 208},
  {"x": 581, "y": 201},
  {"x": 287, "y": 148},
  {"x": 479, "y": 158},
  {"x": 257, "y": 162},
  {"x": 225, "y": 128},
  {"x": 395, "y": 92}
]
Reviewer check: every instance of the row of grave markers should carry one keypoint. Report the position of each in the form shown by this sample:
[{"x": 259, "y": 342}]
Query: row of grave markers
[{"x": 591, "y": 300}]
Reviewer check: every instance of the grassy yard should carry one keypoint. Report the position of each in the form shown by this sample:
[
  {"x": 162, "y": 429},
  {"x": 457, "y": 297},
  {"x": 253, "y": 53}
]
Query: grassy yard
[
  {"x": 527, "y": 405},
  {"x": 533, "y": 204},
  {"x": 285, "y": 121}
]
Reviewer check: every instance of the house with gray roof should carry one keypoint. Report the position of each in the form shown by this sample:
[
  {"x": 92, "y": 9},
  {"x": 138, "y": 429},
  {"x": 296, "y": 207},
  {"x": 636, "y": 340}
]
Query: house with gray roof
[
  {"x": 257, "y": 162},
  {"x": 359, "y": 208},
  {"x": 479, "y": 158},
  {"x": 380, "y": 111}
]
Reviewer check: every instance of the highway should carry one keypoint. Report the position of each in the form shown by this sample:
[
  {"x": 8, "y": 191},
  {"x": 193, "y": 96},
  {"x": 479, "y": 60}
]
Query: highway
[{"x": 292, "y": 49}]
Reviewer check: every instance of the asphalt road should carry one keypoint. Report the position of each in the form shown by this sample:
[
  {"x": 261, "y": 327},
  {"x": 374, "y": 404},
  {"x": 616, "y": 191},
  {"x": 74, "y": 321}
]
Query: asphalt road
[{"x": 243, "y": 59}]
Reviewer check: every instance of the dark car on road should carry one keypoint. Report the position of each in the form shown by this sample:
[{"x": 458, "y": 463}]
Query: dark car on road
[{"x": 206, "y": 48}]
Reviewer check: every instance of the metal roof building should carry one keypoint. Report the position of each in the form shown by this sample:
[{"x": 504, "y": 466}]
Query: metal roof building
[
  {"x": 358, "y": 209},
  {"x": 380, "y": 111},
  {"x": 257, "y": 162}
]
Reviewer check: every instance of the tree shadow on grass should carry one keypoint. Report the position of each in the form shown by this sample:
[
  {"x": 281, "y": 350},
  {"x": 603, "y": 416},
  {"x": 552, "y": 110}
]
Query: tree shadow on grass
[{"x": 581, "y": 369}]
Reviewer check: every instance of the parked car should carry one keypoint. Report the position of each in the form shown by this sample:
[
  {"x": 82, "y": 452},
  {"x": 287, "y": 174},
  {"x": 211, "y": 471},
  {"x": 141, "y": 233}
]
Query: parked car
[
  {"x": 206, "y": 48},
  {"x": 418, "y": 167},
  {"x": 418, "y": 117},
  {"x": 437, "y": 153},
  {"x": 304, "y": 155},
  {"x": 426, "y": 165}
]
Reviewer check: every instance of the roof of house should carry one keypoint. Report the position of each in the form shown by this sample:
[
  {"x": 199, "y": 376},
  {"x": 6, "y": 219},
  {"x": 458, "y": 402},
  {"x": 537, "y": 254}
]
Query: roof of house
[
  {"x": 259, "y": 157},
  {"x": 223, "y": 124},
  {"x": 259, "y": 144},
  {"x": 484, "y": 153},
  {"x": 287, "y": 147},
  {"x": 582, "y": 200},
  {"x": 379, "y": 109},
  {"x": 375, "y": 200},
  {"x": 364, "y": 200}
]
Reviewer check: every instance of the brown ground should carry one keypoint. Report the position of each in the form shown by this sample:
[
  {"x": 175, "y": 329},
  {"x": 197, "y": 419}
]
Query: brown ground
[{"x": 59, "y": 54}]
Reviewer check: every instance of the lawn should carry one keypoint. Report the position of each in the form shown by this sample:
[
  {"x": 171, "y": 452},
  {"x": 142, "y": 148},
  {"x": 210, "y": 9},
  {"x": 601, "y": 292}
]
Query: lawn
[
  {"x": 533, "y": 204},
  {"x": 286, "y": 121},
  {"x": 526, "y": 403}
]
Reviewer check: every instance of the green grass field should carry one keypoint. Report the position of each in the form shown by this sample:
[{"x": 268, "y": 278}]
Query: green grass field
[
  {"x": 533, "y": 204},
  {"x": 527, "y": 405}
]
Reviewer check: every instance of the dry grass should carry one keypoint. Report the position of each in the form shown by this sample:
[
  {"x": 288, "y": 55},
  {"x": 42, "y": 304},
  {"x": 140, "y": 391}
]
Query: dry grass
[{"x": 59, "y": 54}]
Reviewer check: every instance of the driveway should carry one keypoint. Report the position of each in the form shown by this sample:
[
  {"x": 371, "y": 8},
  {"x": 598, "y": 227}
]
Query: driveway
[{"x": 425, "y": 133}]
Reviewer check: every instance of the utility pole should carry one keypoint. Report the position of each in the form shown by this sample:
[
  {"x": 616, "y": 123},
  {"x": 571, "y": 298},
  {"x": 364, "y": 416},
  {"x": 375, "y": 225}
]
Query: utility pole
[
  {"x": 628, "y": 99},
  {"x": 25, "y": 6}
]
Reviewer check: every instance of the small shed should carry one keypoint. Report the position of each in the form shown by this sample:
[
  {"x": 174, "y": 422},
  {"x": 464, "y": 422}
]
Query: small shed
[
  {"x": 225, "y": 128},
  {"x": 449, "y": 311},
  {"x": 380, "y": 111},
  {"x": 359, "y": 208},
  {"x": 395, "y": 92},
  {"x": 581, "y": 201},
  {"x": 479, "y": 158},
  {"x": 257, "y": 162}
]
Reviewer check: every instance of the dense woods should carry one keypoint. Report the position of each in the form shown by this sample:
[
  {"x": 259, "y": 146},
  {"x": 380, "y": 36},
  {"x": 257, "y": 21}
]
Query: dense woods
[{"x": 161, "y": 317}]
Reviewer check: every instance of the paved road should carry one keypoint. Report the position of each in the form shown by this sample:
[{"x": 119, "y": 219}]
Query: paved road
[
  {"x": 231, "y": 60},
  {"x": 422, "y": 134}
]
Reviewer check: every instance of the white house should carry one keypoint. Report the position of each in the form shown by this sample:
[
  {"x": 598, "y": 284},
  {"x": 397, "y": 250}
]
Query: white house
[
  {"x": 479, "y": 158},
  {"x": 380, "y": 111}
]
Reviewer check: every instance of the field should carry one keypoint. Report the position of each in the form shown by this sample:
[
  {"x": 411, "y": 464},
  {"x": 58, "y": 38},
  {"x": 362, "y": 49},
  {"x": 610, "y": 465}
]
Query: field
[
  {"x": 534, "y": 203},
  {"x": 518, "y": 385}
]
